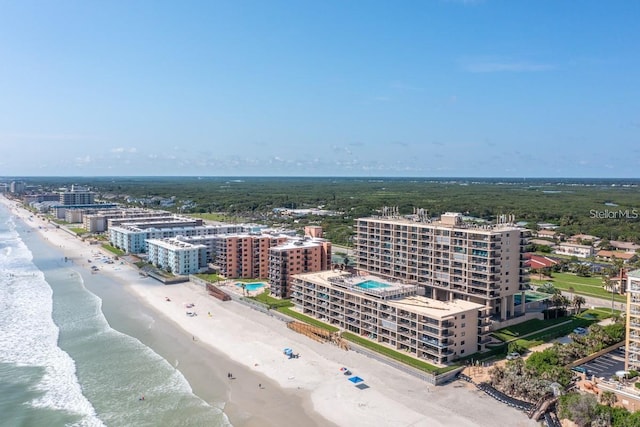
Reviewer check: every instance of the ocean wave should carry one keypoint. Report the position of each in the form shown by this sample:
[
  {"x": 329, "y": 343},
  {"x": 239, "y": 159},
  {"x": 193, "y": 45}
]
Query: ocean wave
[{"x": 28, "y": 335}]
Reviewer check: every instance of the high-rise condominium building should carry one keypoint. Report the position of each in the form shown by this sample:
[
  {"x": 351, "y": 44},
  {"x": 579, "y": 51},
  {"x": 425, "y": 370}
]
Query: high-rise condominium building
[
  {"x": 632, "y": 347},
  {"x": 295, "y": 257},
  {"x": 77, "y": 196},
  {"x": 446, "y": 258}
]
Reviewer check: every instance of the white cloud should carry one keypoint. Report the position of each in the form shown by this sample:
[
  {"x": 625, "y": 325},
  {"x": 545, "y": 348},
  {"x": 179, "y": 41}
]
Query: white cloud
[
  {"x": 124, "y": 150},
  {"x": 83, "y": 160}
]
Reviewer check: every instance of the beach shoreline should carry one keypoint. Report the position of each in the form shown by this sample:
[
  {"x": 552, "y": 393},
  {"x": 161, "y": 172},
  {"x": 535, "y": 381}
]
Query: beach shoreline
[{"x": 311, "y": 387}]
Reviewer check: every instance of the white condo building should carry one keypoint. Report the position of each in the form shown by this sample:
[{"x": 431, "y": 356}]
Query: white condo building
[
  {"x": 176, "y": 256},
  {"x": 131, "y": 238}
]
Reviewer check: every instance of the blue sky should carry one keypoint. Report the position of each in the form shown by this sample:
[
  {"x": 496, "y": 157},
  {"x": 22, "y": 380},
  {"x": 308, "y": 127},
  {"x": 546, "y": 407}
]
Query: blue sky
[{"x": 540, "y": 88}]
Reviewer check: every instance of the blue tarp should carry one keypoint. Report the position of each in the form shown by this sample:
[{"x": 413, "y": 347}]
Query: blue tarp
[{"x": 356, "y": 380}]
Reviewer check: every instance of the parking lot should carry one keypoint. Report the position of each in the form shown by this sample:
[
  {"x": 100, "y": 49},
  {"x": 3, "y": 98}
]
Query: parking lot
[{"x": 606, "y": 365}]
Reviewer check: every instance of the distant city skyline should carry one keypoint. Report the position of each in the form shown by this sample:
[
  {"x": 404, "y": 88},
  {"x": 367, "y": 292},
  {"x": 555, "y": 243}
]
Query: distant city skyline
[{"x": 432, "y": 88}]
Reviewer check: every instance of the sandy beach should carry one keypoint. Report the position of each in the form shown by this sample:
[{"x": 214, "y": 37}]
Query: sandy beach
[{"x": 270, "y": 389}]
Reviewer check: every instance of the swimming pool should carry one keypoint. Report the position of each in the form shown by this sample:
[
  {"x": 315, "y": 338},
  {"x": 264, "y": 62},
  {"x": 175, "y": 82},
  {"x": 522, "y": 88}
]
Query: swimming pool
[
  {"x": 530, "y": 296},
  {"x": 251, "y": 286},
  {"x": 371, "y": 284}
]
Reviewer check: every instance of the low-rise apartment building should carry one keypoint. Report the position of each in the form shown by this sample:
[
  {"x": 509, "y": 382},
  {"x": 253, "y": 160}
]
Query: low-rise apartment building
[
  {"x": 99, "y": 221},
  {"x": 131, "y": 238},
  {"x": 76, "y": 212},
  {"x": 572, "y": 249},
  {"x": 393, "y": 314},
  {"x": 176, "y": 256}
]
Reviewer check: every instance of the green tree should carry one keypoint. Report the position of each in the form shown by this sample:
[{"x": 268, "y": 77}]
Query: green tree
[
  {"x": 608, "y": 398},
  {"x": 516, "y": 347},
  {"x": 579, "y": 408},
  {"x": 577, "y": 302},
  {"x": 583, "y": 270},
  {"x": 615, "y": 332}
]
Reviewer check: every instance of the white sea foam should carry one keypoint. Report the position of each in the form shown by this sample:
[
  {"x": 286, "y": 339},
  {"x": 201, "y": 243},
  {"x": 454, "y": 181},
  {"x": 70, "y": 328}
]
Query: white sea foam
[{"x": 28, "y": 335}]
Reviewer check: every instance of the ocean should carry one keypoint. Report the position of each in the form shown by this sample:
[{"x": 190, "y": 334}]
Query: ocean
[{"x": 62, "y": 364}]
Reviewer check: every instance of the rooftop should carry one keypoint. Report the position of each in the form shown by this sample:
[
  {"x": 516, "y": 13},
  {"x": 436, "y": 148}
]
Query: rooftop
[
  {"x": 635, "y": 274},
  {"x": 173, "y": 243},
  {"x": 352, "y": 283},
  {"x": 414, "y": 220},
  {"x": 435, "y": 308}
]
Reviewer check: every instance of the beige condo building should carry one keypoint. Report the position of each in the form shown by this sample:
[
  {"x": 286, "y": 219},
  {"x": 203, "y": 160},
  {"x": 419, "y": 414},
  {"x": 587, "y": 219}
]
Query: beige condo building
[
  {"x": 446, "y": 258},
  {"x": 393, "y": 314}
]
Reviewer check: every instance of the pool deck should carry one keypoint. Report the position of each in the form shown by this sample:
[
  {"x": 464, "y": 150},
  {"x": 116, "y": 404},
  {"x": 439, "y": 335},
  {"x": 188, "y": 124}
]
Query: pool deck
[{"x": 229, "y": 285}]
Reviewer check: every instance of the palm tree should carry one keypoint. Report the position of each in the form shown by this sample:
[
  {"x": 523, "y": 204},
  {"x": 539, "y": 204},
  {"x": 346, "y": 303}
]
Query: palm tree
[
  {"x": 616, "y": 271},
  {"x": 578, "y": 302},
  {"x": 557, "y": 300},
  {"x": 608, "y": 398}
]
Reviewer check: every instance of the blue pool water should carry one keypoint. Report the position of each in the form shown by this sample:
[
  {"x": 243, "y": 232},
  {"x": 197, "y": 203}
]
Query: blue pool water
[
  {"x": 530, "y": 296},
  {"x": 251, "y": 286},
  {"x": 371, "y": 284}
]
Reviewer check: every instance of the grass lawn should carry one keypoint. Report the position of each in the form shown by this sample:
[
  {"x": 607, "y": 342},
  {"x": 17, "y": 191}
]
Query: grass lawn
[
  {"x": 396, "y": 355},
  {"x": 599, "y": 313},
  {"x": 212, "y": 278},
  {"x": 588, "y": 286},
  {"x": 113, "y": 249},
  {"x": 306, "y": 319},
  {"x": 555, "y": 332},
  {"x": 585, "y": 318},
  {"x": 78, "y": 230},
  {"x": 533, "y": 325},
  {"x": 271, "y": 302}
]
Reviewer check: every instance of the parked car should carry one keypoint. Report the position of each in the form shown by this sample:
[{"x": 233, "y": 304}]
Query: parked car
[
  {"x": 580, "y": 330},
  {"x": 513, "y": 355}
]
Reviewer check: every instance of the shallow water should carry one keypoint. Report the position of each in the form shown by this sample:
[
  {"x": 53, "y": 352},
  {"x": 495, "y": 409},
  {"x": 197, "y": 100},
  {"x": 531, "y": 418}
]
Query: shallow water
[{"x": 62, "y": 364}]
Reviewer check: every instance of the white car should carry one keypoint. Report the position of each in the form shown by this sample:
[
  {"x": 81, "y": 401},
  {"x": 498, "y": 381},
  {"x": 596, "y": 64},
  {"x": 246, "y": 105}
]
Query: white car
[
  {"x": 580, "y": 330},
  {"x": 513, "y": 355}
]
